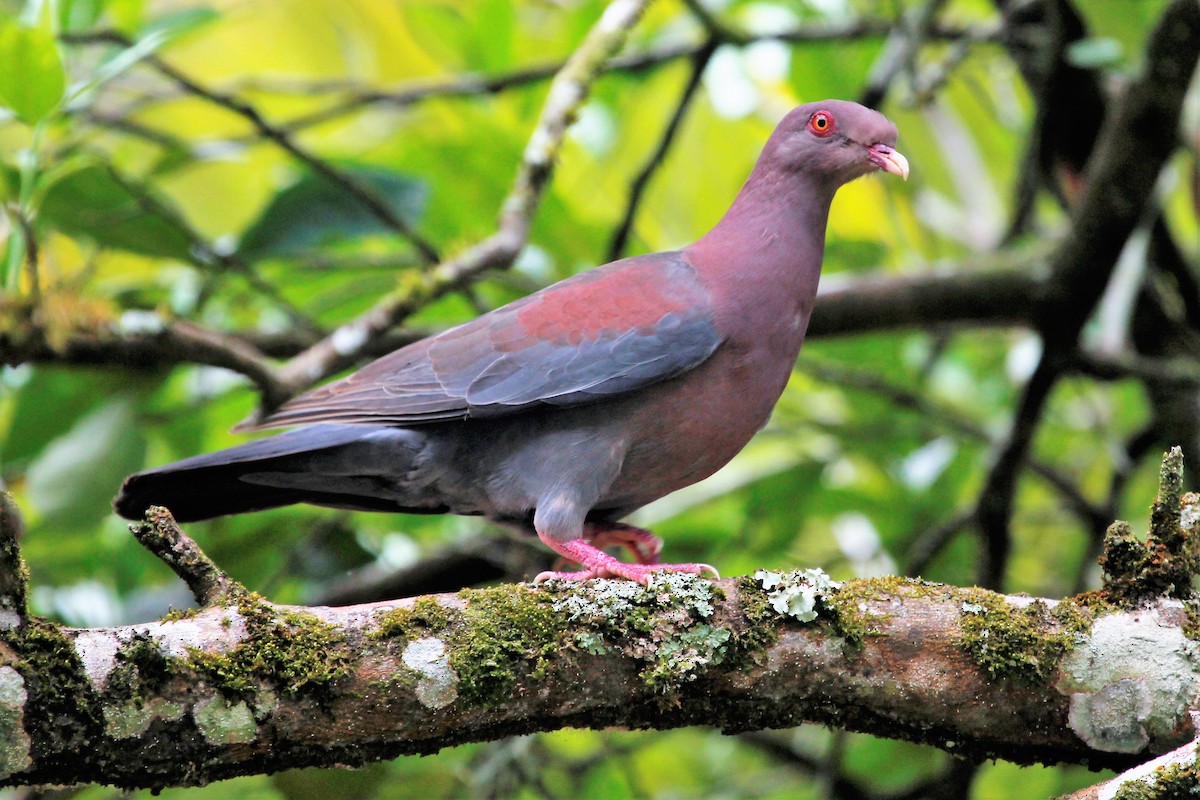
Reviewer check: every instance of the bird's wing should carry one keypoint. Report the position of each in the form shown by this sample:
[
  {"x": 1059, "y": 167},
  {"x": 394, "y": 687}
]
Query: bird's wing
[{"x": 607, "y": 331}]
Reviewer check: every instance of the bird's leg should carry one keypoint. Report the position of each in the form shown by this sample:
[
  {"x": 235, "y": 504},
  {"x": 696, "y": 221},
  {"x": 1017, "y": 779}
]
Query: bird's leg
[
  {"x": 598, "y": 564},
  {"x": 643, "y": 544}
]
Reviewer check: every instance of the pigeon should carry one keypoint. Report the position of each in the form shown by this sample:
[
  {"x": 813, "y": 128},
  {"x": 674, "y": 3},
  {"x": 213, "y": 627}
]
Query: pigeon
[{"x": 563, "y": 412}]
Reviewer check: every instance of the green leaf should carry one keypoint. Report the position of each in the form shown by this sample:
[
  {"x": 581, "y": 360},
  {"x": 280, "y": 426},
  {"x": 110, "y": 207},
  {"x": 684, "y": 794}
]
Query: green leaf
[
  {"x": 91, "y": 203},
  {"x": 313, "y": 211},
  {"x": 33, "y": 80},
  {"x": 75, "y": 477}
]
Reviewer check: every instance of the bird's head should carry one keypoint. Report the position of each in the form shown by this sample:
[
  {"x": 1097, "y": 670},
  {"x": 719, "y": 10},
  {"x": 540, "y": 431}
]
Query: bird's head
[{"x": 836, "y": 140}]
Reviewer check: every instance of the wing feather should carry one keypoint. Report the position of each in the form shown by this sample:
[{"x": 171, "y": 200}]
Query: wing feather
[{"x": 614, "y": 329}]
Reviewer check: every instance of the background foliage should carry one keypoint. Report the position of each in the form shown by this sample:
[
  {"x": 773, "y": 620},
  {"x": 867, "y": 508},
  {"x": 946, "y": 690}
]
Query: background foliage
[{"x": 135, "y": 194}]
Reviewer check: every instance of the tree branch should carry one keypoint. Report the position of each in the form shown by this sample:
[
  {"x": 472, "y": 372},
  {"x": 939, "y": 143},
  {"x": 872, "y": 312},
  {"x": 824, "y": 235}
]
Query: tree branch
[
  {"x": 1173, "y": 774},
  {"x": 1134, "y": 145},
  {"x": 144, "y": 341},
  {"x": 637, "y": 188},
  {"x": 250, "y": 687},
  {"x": 866, "y": 305},
  {"x": 160, "y": 534},
  {"x": 878, "y": 303}
]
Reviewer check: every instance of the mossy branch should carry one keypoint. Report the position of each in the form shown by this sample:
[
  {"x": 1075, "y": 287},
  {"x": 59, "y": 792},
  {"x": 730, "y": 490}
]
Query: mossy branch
[
  {"x": 1172, "y": 775},
  {"x": 14, "y": 577},
  {"x": 162, "y": 536},
  {"x": 248, "y": 687},
  {"x": 1166, "y": 563}
]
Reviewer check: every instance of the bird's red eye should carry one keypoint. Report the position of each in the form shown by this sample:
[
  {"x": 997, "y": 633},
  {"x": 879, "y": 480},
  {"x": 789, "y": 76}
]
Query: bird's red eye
[{"x": 821, "y": 123}]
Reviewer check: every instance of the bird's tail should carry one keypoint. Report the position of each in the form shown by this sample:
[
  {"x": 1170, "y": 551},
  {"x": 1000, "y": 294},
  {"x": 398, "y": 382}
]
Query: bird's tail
[{"x": 329, "y": 465}]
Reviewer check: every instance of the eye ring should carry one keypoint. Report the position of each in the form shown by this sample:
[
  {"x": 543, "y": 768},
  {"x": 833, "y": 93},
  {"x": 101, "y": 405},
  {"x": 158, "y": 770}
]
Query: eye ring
[{"x": 821, "y": 123}]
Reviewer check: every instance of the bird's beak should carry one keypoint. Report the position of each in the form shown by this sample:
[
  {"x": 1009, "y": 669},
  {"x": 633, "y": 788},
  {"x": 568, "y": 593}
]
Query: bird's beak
[{"x": 888, "y": 159}]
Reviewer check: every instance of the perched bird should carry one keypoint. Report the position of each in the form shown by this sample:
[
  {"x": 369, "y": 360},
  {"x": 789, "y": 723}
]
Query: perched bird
[{"x": 564, "y": 411}]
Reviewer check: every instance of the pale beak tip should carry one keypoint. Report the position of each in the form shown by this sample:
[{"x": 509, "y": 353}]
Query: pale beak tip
[{"x": 890, "y": 160}]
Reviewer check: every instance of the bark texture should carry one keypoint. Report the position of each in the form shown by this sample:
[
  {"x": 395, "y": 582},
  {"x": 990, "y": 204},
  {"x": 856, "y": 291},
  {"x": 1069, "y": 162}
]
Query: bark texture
[{"x": 250, "y": 687}]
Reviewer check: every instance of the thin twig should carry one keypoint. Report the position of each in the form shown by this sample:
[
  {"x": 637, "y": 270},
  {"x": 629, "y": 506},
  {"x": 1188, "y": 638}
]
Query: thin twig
[
  {"x": 567, "y": 93},
  {"x": 357, "y": 96},
  {"x": 637, "y": 188},
  {"x": 160, "y": 534},
  {"x": 201, "y": 253},
  {"x": 925, "y": 546},
  {"x": 1093, "y": 516},
  {"x": 1133, "y": 148},
  {"x": 361, "y": 193},
  {"x": 900, "y": 51}
]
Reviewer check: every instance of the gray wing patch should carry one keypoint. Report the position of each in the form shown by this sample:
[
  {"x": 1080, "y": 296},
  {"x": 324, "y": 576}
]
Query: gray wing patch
[{"x": 567, "y": 376}]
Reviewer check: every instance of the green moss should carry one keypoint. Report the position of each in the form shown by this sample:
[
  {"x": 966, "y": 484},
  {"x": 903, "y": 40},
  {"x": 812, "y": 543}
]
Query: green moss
[
  {"x": 292, "y": 651},
  {"x": 1018, "y": 643},
  {"x": 891, "y": 586},
  {"x": 424, "y": 616},
  {"x": 761, "y": 629},
  {"x": 843, "y": 610},
  {"x": 1165, "y": 564},
  {"x": 1173, "y": 782},
  {"x": 141, "y": 669},
  {"x": 848, "y": 615},
  {"x": 176, "y": 614},
  {"x": 56, "y": 684},
  {"x": 14, "y": 574},
  {"x": 1164, "y": 513},
  {"x": 508, "y": 632},
  {"x": 1191, "y": 622}
]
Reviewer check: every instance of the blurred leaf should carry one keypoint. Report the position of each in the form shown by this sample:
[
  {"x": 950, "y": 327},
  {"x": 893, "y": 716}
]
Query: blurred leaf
[
  {"x": 33, "y": 81},
  {"x": 78, "y": 15},
  {"x": 36, "y": 422},
  {"x": 313, "y": 211},
  {"x": 179, "y": 23},
  {"x": 1094, "y": 52},
  {"x": 127, "y": 15},
  {"x": 116, "y": 64},
  {"x": 319, "y": 784},
  {"x": 91, "y": 203},
  {"x": 75, "y": 477}
]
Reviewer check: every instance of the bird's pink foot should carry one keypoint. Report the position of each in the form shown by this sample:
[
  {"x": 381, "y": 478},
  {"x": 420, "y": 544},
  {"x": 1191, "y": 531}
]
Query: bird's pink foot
[
  {"x": 598, "y": 564},
  {"x": 643, "y": 544}
]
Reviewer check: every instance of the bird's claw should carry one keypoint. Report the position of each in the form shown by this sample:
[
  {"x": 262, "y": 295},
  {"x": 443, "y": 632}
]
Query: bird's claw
[{"x": 643, "y": 544}]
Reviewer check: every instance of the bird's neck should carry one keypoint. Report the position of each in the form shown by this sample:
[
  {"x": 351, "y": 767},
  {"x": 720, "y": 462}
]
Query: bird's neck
[{"x": 768, "y": 247}]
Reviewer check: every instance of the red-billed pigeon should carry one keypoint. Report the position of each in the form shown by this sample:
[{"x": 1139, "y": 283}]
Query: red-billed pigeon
[{"x": 563, "y": 412}]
